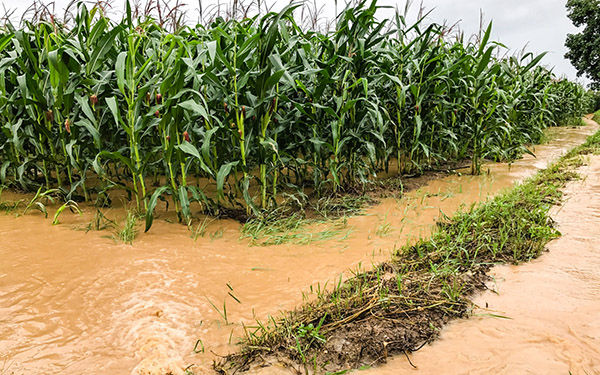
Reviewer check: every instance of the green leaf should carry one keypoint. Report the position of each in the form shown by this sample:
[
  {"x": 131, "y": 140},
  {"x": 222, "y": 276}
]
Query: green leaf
[
  {"x": 485, "y": 39},
  {"x": 152, "y": 205},
  {"x": 185, "y": 202},
  {"x": 224, "y": 171},
  {"x": 211, "y": 46},
  {"x": 72, "y": 205},
  {"x": 120, "y": 71},
  {"x": 116, "y": 156},
  {"x": 92, "y": 130},
  {"x": 274, "y": 79},
  {"x": 534, "y": 62},
  {"x": 114, "y": 110},
  {"x": 485, "y": 59},
  {"x": 190, "y": 149},
  {"x": 104, "y": 45},
  {"x": 206, "y": 143},
  {"x": 195, "y": 108}
]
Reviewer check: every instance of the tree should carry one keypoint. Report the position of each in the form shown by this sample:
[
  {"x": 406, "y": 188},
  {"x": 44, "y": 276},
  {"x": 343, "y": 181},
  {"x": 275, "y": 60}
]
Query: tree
[{"x": 584, "y": 47}]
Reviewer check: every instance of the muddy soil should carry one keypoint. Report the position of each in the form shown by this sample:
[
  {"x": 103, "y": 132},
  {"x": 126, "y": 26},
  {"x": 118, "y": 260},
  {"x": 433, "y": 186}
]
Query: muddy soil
[
  {"x": 76, "y": 302},
  {"x": 537, "y": 318}
]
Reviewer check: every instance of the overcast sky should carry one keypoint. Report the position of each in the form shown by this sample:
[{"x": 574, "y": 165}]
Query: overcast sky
[{"x": 542, "y": 25}]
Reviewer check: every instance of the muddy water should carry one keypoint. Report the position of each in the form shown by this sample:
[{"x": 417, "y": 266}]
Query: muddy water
[
  {"x": 552, "y": 305},
  {"x": 76, "y": 302}
]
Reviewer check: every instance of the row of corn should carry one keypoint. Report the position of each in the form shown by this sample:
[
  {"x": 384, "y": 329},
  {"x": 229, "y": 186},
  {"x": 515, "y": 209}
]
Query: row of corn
[{"x": 240, "y": 113}]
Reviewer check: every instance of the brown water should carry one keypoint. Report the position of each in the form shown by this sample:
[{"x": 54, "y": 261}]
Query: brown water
[
  {"x": 75, "y": 302},
  {"x": 553, "y": 306}
]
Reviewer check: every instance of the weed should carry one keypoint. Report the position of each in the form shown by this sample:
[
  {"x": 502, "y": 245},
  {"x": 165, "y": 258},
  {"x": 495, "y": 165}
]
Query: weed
[
  {"x": 99, "y": 222},
  {"x": 7, "y": 206},
  {"x": 200, "y": 230},
  {"x": 277, "y": 231},
  {"x": 36, "y": 201},
  {"x": 217, "y": 234},
  {"x": 221, "y": 312},
  {"x": 384, "y": 228},
  {"x": 128, "y": 231}
]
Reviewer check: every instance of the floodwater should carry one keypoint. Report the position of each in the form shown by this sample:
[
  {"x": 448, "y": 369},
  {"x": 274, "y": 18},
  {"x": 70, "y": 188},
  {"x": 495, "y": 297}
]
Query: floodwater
[
  {"x": 77, "y": 302},
  {"x": 550, "y": 306}
]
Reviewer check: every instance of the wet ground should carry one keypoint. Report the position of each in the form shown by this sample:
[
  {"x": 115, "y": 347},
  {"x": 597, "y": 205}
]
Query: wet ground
[
  {"x": 549, "y": 307},
  {"x": 76, "y": 302}
]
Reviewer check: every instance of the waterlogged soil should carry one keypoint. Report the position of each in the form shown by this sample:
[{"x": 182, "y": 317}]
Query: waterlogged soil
[
  {"x": 537, "y": 318},
  {"x": 78, "y": 302}
]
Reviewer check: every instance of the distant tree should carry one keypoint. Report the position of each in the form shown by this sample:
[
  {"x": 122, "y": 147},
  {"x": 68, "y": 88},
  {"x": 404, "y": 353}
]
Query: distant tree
[{"x": 584, "y": 47}]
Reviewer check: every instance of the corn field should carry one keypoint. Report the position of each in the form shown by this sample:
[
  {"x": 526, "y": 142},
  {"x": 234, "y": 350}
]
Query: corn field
[{"x": 242, "y": 111}]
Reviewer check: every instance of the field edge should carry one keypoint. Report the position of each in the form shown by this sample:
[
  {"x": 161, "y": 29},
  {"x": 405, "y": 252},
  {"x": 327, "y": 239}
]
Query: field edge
[{"x": 402, "y": 304}]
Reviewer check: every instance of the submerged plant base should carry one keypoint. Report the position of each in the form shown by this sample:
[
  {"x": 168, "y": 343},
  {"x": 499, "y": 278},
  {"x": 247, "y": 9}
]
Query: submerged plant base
[
  {"x": 288, "y": 222},
  {"x": 128, "y": 230},
  {"x": 401, "y": 305}
]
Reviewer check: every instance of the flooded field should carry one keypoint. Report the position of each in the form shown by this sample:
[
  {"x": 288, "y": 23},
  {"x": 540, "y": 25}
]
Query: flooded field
[
  {"x": 550, "y": 306},
  {"x": 77, "y": 302}
]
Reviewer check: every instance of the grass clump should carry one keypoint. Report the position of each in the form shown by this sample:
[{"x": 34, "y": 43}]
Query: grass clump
[
  {"x": 7, "y": 206},
  {"x": 99, "y": 222},
  {"x": 128, "y": 231},
  {"x": 290, "y": 223},
  {"x": 294, "y": 228},
  {"x": 200, "y": 229},
  {"x": 401, "y": 305}
]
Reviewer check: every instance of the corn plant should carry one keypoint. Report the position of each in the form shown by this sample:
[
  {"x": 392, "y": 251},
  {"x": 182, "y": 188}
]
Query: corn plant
[{"x": 234, "y": 114}]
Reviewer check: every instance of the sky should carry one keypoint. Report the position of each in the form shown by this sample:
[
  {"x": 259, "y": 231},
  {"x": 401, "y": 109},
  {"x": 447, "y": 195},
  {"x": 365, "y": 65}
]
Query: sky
[{"x": 541, "y": 25}]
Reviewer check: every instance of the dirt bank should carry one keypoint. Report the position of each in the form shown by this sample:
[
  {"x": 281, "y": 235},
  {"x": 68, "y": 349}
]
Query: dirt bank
[
  {"x": 402, "y": 305},
  {"x": 552, "y": 305}
]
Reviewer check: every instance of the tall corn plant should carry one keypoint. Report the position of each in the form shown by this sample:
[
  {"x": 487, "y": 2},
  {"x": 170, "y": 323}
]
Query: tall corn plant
[{"x": 232, "y": 114}]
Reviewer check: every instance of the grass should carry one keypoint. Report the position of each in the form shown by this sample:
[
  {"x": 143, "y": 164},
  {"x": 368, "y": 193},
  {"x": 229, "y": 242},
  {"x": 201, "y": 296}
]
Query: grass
[
  {"x": 8, "y": 206},
  {"x": 345, "y": 205},
  {"x": 384, "y": 228},
  {"x": 128, "y": 231},
  {"x": 71, "y": 205},
  {"x": 294, "y": 228},
  {"x": 99, "y": 222},
  {"x": 401, "y": 305},
  {"x": 596, "y": 117},
  {"x": 328, "y": 217},
  {"x": 36, "y": 201},
  {"x": 39, "y": 202},
  {"x": 200, "y": 229}
]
